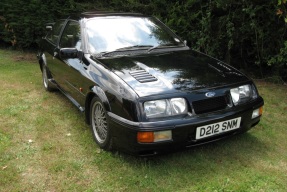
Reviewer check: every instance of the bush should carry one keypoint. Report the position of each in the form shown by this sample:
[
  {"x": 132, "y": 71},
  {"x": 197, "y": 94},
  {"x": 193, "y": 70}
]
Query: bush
[
  {"x": 23, "y": 21},
  {"x": 246, "y": 34}
]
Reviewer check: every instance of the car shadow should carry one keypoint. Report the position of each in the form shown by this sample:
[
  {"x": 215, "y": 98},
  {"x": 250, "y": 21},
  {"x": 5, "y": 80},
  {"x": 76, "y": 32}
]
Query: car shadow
[
  {"x": 221, "y": 157},
  {"x": 245, "y": 144}
]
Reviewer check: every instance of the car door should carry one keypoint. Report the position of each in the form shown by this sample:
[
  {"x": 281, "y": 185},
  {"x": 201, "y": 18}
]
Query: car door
[
  {"x": 51, "y": 48},
  {"x": 72, "y": 70}
]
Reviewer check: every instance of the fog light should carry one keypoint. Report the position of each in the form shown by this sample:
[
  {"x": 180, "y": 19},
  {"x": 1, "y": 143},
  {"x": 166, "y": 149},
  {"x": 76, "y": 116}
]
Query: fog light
[
  {"x": 162, "y": 136},
  {"x": 151, "y": 137},
  {"x": 257, "y": 112}
]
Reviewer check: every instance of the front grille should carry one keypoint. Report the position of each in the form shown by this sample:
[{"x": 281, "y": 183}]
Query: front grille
[
  {"x": 142, "y": 76},
  {"x": 210, "y": 105}
]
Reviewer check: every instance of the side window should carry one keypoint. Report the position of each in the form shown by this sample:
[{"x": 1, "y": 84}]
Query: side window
[
  {"x": 55, "y": 32},
  {"x": 71, "y": 37}
]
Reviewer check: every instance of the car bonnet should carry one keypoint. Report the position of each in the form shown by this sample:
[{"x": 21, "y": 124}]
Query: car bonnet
[{"x": 166, "y": 73}]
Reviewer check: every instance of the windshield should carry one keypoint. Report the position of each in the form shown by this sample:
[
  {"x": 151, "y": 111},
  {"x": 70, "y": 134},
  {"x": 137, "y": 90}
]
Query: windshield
[{"x": 111, "y": 33}]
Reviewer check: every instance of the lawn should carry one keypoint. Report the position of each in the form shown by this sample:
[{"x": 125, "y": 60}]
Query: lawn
[{"x": 45, "y": 145}]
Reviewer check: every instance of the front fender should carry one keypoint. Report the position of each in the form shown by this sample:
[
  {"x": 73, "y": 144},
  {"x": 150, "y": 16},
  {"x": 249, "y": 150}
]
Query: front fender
[
  {"x": 101, "y": 94},
  {"x": 96, "y": 92}
]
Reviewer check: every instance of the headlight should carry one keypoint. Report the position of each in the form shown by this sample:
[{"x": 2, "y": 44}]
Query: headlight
[
  {"x": 165, "y": 107},
  {"x": 243, "y": 93}
]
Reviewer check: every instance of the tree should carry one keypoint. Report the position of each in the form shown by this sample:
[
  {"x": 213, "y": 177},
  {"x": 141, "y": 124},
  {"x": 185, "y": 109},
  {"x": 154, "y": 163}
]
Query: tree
[{"x": 246, "y": 34}]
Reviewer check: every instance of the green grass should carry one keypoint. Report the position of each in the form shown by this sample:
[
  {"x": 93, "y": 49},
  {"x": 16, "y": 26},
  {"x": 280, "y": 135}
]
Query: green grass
[{"x": 45, "y": 145}]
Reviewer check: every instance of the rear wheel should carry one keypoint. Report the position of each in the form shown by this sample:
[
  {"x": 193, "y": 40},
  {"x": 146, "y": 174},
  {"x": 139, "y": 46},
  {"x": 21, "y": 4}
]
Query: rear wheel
[
  {"x": 45, "y": 76},
  {"x": 99, "y": 124}
]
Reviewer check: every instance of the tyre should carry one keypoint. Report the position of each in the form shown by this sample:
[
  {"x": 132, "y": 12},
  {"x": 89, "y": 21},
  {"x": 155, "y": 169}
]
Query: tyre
[
  {"x": 45, "y": 76},
  {"x": 99, "y": 124}
]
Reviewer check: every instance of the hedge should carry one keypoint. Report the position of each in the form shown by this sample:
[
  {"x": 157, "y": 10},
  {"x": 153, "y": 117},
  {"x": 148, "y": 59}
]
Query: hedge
[{"x": 250, "y": 35}]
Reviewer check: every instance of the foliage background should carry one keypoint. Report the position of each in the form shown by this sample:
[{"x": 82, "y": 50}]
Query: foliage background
[{"x": 250, "y": 35}]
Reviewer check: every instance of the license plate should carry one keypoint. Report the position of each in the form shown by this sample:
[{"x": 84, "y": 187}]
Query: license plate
[{"x": 216, "y": 128}]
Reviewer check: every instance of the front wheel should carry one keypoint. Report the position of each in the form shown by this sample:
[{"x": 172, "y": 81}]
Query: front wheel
[{"x": 99, "y": 124}]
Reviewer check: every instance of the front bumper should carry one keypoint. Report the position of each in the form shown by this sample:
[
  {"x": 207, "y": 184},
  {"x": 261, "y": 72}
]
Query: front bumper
[{"x": 183, "y": 130}]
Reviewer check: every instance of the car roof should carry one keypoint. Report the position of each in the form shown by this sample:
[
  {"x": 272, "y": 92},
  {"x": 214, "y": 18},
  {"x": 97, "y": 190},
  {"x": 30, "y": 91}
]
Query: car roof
[{"x": 91, "y": 14}]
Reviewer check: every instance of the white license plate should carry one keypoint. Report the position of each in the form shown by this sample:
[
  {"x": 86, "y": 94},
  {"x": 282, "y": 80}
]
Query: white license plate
[{"x": 216, "y": 128}]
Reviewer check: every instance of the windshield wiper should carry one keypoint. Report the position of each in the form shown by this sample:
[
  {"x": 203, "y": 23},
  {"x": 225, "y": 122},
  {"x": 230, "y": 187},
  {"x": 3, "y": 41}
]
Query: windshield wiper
[
  {"x": 138, "y": 47},
  {"x": 134, "y": 47},
  {"x": 107, "y": 53},
  {"x": 164, "y": 46},
  {"x": 123, "y": 49}
]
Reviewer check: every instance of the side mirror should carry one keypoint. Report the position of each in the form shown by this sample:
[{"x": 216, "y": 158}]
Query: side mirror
[
  {"x": 49, "y": 28},
  {"x": 68, "y": 53}
]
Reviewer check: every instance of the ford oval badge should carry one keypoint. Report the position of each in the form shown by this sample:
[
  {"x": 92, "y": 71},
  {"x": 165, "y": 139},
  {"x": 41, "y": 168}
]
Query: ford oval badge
[{"x": 209, "y": 94}]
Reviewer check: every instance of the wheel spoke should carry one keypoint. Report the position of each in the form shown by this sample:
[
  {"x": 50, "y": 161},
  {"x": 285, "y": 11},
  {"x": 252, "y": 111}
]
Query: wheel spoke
[{"x": 99, "y": 123}]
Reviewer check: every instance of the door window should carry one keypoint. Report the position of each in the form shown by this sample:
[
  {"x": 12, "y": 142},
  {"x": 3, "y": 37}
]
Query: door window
[
  {"x": 71, "y": 37},
  {"x": 54, "y": 34}
]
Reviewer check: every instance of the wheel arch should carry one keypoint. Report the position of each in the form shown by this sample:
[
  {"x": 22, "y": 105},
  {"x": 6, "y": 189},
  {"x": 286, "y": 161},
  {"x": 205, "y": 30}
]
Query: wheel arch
[
  {"x": 96, "y": 92},
  {"x": 42, "y": 60}
]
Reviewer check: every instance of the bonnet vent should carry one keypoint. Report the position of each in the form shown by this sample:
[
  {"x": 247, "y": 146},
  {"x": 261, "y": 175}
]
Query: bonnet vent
[{"x": 142, "y": 76}]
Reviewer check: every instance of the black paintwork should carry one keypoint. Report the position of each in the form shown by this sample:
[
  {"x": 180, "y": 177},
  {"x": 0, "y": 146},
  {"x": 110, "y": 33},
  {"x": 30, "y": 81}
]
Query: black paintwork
[
  {"x": 178, "y": 71},
  {"x": 175, "y": 72}
]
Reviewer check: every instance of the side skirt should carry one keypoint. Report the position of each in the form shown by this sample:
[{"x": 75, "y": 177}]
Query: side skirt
[{"x": 82, "y": 109}]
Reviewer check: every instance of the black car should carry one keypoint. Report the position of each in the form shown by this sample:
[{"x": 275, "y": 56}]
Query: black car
[{"x": 142, "y": 89}]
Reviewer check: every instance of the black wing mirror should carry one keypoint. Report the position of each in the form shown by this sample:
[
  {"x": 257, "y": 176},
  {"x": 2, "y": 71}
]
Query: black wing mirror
[{"x": 68, "y": 53}]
